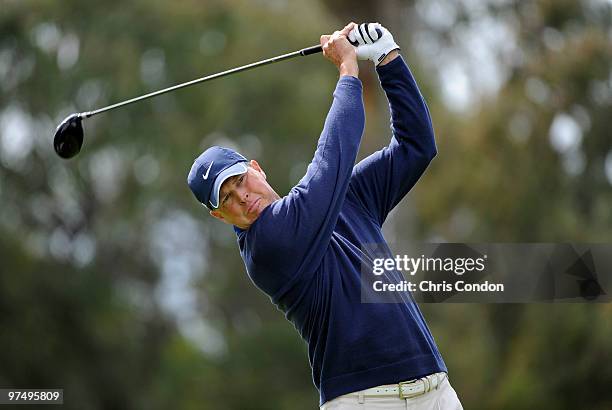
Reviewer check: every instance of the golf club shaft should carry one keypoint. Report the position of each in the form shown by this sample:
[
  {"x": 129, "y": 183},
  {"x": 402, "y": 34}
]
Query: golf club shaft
[{"x": 302, "y": 52}]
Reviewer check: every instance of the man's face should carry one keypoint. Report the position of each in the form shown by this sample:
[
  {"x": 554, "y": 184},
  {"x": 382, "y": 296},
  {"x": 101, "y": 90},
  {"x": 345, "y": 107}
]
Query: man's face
[{"x": 243, "y": 197}]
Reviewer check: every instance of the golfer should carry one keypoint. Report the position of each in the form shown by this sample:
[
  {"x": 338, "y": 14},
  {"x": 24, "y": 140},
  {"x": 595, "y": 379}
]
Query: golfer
[{"x": 305, "y": 249}]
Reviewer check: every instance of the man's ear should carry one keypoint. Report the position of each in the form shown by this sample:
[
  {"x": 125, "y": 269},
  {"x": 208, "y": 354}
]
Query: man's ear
[
  {"x": 255, "y": 165},
  {"x": 217, "y": 215}
]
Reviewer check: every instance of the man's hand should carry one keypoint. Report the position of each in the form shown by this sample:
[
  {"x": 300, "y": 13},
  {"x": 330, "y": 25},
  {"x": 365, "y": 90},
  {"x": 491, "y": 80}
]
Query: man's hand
[
  {"x": 339, "y": 51},
  {"x": 373, "y": 42}
]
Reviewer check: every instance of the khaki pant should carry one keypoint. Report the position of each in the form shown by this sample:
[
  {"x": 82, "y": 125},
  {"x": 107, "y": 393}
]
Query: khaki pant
[{"x": 444, "y": 398}]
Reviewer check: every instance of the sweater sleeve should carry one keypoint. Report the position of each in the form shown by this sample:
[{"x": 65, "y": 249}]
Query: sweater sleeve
[
  {"x": 382, "y": 179},
  {"x": 292, "y": 236}
]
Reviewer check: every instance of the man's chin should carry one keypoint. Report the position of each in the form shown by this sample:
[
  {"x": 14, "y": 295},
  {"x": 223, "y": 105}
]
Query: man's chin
[{"x": 259, "y": 207}]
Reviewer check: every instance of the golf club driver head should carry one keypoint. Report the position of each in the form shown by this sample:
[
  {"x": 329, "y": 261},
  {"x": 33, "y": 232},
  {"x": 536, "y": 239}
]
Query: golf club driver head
[{"x": 68, "y": 138}]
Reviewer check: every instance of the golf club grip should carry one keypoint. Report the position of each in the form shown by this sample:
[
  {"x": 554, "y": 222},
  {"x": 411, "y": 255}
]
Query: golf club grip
[{"x": 311, "y": 50}]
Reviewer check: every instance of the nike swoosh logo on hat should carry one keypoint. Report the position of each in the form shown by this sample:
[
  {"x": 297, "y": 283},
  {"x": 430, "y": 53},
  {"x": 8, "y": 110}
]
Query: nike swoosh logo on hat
[{"x": 208, "y": 170}]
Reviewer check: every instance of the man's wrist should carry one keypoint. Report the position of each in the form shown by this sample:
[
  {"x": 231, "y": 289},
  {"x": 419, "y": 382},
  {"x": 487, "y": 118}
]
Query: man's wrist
[
  {"x": 389, "y": 57},
  {"x": 349, "y": 68}
]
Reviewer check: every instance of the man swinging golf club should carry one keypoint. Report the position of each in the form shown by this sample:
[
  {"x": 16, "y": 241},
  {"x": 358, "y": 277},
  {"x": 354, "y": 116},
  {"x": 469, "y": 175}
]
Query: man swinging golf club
[{"x": 305, "y": 250}]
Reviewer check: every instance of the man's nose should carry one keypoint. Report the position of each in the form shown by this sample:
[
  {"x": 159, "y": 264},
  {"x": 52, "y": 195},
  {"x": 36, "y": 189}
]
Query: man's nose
[{"x": 244, "y": 196}]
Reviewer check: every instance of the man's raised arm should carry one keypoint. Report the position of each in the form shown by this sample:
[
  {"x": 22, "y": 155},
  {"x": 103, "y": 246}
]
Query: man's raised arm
[
  {"x": 307, "y": 215},
  {"x": 381, "y": 180}
]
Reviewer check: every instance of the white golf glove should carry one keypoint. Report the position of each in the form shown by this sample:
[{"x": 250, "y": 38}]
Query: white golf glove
[{"x": 373, "y": 42}]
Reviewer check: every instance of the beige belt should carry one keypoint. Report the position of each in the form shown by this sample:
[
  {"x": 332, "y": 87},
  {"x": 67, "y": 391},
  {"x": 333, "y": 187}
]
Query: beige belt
[{"x": 407, "y": 389}]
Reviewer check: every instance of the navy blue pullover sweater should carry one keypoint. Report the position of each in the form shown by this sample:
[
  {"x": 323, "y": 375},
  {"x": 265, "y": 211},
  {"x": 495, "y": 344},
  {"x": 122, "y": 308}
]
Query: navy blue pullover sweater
[{"x": 305, "y": 249}]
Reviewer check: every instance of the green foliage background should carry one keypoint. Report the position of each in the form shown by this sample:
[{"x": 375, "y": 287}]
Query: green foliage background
[{"x": 117, "y": 287}]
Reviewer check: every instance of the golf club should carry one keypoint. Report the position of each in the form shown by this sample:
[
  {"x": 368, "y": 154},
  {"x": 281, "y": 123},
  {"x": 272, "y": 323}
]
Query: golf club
[{"x": 68, "y": 138}]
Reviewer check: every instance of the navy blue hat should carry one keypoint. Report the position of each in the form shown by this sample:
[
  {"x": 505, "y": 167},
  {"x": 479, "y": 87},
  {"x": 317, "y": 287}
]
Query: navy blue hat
[{"x": 210, "y": 170}]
